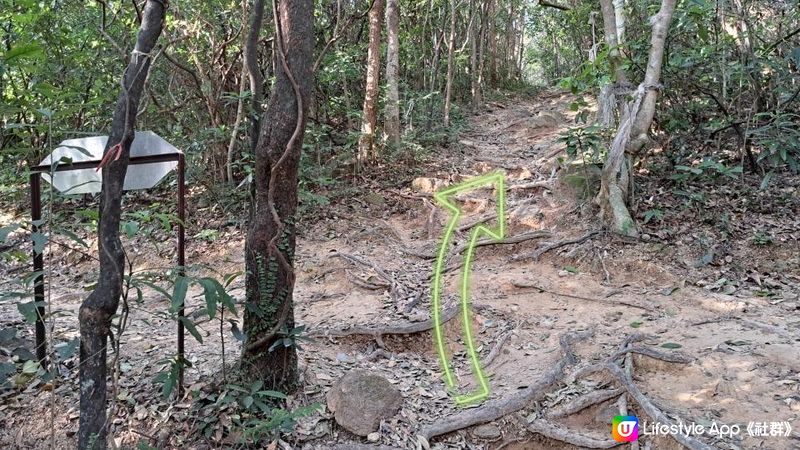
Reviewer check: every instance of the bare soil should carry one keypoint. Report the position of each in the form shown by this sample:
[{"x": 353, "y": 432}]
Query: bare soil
[{"x": 739, "y": 336}]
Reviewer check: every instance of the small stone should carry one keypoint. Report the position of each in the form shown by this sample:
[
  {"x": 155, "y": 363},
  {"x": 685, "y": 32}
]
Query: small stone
[
  {"x": 374, "y": 437},
  {"x": 360, "y": 400},
  {"x": 487, "y": 431},
  {"x": 563, "y": 273}
]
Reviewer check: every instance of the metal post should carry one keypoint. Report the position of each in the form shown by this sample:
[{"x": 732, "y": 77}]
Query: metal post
[
  {"x": 181, "y": 261},
  {"x": 38, "y": 270}
]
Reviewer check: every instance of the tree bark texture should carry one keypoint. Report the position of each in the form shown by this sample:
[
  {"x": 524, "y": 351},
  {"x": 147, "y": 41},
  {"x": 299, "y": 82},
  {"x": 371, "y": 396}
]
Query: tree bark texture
[
  {"x": 610, "y": 34},
  {"x": 632, "y": 134},
  {"x": 392, "y": 121},
  {"x": 366, "y": 143},
  {"x": 250, "y": 55},
  {"x": 270, "y": 245},
  {"x": 451, "y": 44},
  {"x": 96, "y": 311}
]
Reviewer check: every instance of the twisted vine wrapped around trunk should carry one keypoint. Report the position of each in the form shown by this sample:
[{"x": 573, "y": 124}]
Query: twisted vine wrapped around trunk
[{"x": 270, "y": 245}]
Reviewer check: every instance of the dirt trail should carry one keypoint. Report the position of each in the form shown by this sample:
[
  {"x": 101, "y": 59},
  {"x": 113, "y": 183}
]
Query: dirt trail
[{"x": 744, "y": 357}]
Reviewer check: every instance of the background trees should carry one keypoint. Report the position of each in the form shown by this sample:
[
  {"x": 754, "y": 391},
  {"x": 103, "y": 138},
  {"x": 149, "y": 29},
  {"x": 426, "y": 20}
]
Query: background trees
[{"x": 677, "y": 92}]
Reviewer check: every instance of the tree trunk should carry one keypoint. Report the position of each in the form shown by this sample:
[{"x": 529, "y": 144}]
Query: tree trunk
[
  {"x": 96, "y": 311},
  {"x": 632, "y": 132},
  {"x": 270, "y": 245},
  {"x": 492, "y": 37},
  {"x": 239, "y": 109},
  {"x": 366, "y": 143},
  {"x": 477, "y": 96},
  {"x": 619, "y": 16},
  {"x": 250, "y": 55},
  {"x": 610, "y": 34},
  {"x": 475, "y": 35},
  {"x": 652, "y": 77},
  {"x": 451, "y": 45},
  {"x": 391, "y": 124}
]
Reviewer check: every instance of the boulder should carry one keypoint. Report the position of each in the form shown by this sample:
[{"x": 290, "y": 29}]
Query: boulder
[{"x": 360, "y": 400}]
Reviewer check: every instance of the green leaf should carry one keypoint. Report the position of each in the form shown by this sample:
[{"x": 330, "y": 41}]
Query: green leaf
[
  {"x": 6, "y": 230},
  {"x": 671, "y": 345},
  {"x": 212, "y": 291},
  {"x": 28, "y": 310},
  {"x": 39, "y": 241},
  {"x": 74, "y": 237},
  {"x": 273, "y": 394},
  {"x": 179, "y": 292},
  {"x": 32, "y": 51},
  {"x": 636, "y": 324},
  {"x": 192, "y": 329},
  {"x": 65, "y": 350},
  {"x": 693, "y": 170},
  {"x": 247, "y": 402},
  {"x": 30, "y": 367},
  {"x": 130, "y": 228},
  {"x": 6, "y": 370},
  {"x": 7, "y": 334}
]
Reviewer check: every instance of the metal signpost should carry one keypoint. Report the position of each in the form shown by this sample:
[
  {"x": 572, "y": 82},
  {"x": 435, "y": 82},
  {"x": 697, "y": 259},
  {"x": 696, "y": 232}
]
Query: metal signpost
[{"x": 71, "y": 169}]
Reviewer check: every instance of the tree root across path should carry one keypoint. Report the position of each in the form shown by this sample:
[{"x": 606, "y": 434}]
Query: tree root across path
[
  {"x": 655, "y": 414},
  {"x": 551, "y": 430},
  {"x": 542, "y": 423},
  {"x": 495, "y": 409},
  {"x": 523, "y": 285},
  {"x": 538, "y": 253}
]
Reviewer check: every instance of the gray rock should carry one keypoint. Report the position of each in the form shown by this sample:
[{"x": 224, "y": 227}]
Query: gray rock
[
  {"x": 487, "y": 431},
  {"x": 360, "y": 400}
]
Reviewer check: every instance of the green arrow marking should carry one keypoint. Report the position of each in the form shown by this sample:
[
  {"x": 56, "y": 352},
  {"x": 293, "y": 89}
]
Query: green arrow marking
[{"x": 444, "y": 198}]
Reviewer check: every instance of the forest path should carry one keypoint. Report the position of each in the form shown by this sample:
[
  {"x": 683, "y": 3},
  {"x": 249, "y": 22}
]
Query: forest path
[
  {"x": 368, "y": 265},
  {"x": 741, "y": 369}
]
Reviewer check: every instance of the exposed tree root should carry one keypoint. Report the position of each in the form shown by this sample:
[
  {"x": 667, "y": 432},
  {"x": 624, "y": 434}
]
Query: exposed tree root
[
  {"x": 538, "y": 253},
  {"x": 409, "y": 328},
  {"x": 509, "y": 240},
  {"x": 559, "y": 433},
  {"x": 653, "y": 353},
  {"x": 655, "y": 414},
  {"x": 365, "y": 284},
  {"x": 498, "y": 347},
  {"x": 361, "y": 261},
  {"x": 578, "y": 404},
  {"x": 495, "y": 409},
  {"x": 579, "y": 297},
  {"x": 536, "y": 184}
]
